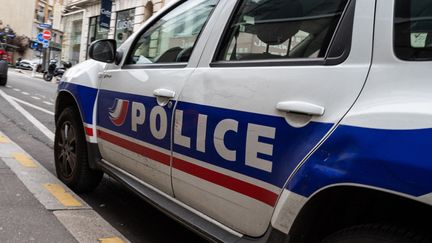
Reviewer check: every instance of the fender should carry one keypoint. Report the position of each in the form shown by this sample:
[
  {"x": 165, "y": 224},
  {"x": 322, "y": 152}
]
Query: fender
[
  {"x": 396, "y": 161},
  {"x": 82, "y": 82}
]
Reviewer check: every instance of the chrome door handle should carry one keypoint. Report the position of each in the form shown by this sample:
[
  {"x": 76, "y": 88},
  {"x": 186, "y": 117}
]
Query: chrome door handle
[
  {"x": 301, "y": 108},
  {"x": 164, "y": 93}
]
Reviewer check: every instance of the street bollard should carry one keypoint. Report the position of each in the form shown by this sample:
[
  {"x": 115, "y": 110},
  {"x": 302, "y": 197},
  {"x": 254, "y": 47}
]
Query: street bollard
[{"x": 34, "y": 66}]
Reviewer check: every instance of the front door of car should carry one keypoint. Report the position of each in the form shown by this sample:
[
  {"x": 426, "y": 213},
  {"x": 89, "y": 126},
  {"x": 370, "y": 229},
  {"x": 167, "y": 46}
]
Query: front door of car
[
  {"x": 282, "y": 75},
  {"x": 136, "y": 100}
]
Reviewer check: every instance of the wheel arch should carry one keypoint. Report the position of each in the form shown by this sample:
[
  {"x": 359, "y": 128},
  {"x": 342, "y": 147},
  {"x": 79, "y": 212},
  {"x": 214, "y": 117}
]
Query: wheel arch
[
  {"x": 342, "y": 206},
  {"x": 66, "y": 99}
]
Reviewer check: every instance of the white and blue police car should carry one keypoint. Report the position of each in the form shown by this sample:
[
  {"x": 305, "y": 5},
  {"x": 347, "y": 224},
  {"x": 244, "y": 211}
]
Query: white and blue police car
[{"x": 263, "y": 120}]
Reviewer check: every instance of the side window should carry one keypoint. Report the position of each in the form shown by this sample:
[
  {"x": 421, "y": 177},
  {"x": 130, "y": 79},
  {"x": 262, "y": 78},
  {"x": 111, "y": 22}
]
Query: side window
[
  {"x": 172, "y": 38},
  {"x": 413, "y": 30},
  {"x": 276, "y": 29}
]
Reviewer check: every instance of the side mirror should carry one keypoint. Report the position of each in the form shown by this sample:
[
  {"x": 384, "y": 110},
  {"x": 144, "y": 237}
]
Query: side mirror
[{"x": 103, "y": 50}]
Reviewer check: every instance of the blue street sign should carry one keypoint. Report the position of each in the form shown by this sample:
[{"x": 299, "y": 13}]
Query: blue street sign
[
  {"x": 34, "y": 45},
  {"x": 45, "y": 44},
  {"x": 45, "y": 26},
  {"x": 40, "y": 37}
]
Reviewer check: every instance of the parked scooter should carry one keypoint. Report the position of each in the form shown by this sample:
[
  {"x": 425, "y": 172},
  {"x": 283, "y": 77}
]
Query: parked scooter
[{"x": 55, "y": 71}]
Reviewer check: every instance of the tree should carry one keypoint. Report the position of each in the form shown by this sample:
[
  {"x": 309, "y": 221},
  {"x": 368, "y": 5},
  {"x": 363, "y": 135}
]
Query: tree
[
  {"x": 8, "y": 36},
  {"x": 22, "y": 42}
]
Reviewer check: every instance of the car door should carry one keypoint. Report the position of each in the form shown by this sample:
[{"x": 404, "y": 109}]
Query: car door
[
  {"x": 136, "y": 99},
  {"x": 276, "y": 80}
]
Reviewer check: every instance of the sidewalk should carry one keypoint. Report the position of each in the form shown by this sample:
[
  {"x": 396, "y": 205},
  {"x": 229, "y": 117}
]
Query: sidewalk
[{"x": 36, "y": 207}]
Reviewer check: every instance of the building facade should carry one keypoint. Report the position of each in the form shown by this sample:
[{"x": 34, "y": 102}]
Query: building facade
[
  {"x": 81, "y": 18},
  {"x": 29, "y": 18}
]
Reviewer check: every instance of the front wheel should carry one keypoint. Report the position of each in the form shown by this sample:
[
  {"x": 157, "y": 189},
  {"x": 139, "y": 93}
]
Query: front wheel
[
  {"x": 47, "y": 77},
  {"x": 70, "y": 151},
  {"x": 376, "y": 233}
]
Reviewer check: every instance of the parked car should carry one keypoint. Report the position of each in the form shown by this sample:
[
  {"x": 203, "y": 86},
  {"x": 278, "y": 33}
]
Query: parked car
[
  {"x": 263, "y": 120},
  {"x": 28, "y": 64},
  {"x": 3, "y": 72}
]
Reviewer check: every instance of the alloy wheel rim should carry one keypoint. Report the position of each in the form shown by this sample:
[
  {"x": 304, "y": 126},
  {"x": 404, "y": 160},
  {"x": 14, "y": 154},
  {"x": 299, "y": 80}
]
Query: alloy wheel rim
[{"x": 67, "y": 145}]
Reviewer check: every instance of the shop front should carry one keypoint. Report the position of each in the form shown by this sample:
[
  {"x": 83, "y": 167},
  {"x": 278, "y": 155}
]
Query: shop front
[{"x": 124, "y": 25}]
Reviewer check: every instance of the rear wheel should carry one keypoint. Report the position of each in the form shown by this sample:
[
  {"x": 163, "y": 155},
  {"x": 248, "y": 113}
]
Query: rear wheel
[
  {"x": 3, "y": 81},
  {"x": 376, "y": 233},
  {"x": 70, "y": 151}
]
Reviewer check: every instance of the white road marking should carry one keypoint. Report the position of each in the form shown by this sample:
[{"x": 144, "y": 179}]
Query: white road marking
[
  {"x": 17, "y": 90},
  {"x": 42, "y": 96},
  {"x": 24, "y": 93},
  {"x": 8, "y": 86},
  {"x": 36, "y": 98},
  {"x": 29, "y": 117},
  {"x": 48, "y": 103},
  {"x": 32, "y": 106}
]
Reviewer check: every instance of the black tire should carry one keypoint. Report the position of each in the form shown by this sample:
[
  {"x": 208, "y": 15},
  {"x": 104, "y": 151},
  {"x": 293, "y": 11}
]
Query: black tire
[
  {"x": 70, "y": 153},
  {"x": 3, "y": 81},
  {"x": 376, "y": 233},
  {"x": 47, "y": 77},
  {"x": 3, "y": 72}
]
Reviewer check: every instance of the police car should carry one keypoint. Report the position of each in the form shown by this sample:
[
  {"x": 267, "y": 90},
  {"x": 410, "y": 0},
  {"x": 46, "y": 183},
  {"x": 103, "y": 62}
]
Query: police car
[{"x": 263, "y": 120}]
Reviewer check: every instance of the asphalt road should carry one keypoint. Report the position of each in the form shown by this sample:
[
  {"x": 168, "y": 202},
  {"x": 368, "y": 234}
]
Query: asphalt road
[{"x": 133, "y": 217}]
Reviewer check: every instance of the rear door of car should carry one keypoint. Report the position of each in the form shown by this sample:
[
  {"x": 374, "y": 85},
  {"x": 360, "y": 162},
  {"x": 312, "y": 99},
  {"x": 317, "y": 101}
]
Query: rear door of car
[
  {"x": 136, "y": 99},
  {"x": 271, "y": 84}
]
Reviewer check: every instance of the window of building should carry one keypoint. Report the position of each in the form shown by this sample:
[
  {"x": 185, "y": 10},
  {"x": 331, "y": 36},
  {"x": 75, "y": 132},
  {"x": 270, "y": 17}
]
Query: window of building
[
  {"x": 124, "y": 25},
  {"x": 40, "y": 13},
  {"x": 75, "y": 41},
  {"x": 278, "y": 29},
  {"x": 413, "y": 30},
  {"x": 50, "y": 16},
  {"x": 95, "y": 31},
  {"x": 172, "y": 38}
]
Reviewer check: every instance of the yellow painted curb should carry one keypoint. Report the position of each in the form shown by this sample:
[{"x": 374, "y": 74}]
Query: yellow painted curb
[
  {"x": 61, "y": 195},
  {"x": 3, "y": 139},
  {"x": 24, "y": 160},
  {"x": 111, "y": 240}
]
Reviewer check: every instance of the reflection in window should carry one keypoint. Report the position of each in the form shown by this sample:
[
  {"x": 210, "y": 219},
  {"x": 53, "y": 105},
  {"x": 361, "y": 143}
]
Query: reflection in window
[
  {"x": 172, "y": 38},
  {"x": 274, "y": 29},
  {"x": 413, "y": 30}
]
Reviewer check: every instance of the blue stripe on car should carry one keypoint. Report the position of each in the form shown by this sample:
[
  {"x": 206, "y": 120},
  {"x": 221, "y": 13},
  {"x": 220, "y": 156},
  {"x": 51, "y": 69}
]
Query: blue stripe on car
[{"x": 397, "y": 160}]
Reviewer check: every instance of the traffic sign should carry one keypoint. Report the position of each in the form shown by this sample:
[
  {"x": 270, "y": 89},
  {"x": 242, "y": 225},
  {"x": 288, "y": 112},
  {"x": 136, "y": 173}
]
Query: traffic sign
[
  {"x": 40, "y": 37},
  {"x": 46, "y": 35},
  {"x": 45, "y": 44},
  {"x": 45, "y": 26}
]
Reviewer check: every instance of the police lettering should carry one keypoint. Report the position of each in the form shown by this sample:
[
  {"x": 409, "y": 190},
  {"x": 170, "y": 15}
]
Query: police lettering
[{"x": 254, "y": 145}]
